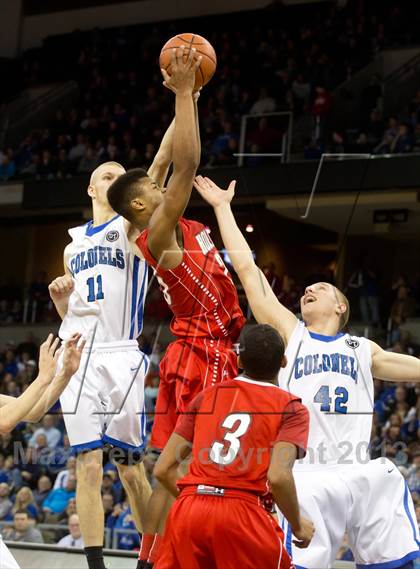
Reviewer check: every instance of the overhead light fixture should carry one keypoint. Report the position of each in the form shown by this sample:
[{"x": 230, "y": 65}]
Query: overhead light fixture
[{"x": 249, "y": 228}]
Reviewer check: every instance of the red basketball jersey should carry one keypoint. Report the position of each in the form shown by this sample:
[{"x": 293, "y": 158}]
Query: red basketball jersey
[
  {"x": 233, "y": 427},
  {"x": 200, "y": 291}
]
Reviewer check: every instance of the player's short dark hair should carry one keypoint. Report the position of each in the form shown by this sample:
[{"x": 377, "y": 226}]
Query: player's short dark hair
[
  {"x": 261, "y": 349},
  {"x": 124, "y": 189}
]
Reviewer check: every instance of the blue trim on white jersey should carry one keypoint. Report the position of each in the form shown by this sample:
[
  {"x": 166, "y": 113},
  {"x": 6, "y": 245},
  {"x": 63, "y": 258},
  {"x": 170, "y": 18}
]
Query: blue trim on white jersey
[
  {"x": 407, "y": 509},
  {"x": 92, "y": 229},
  {"x": 324, "y": 338},
  {"x": 134, "y": 296},
  {"x": 121, "y": 444},
  {"x": 87, "y": 446},
  {"x": 391, "y": 564},
  {"x": 301, "y": 567},
  {"x": 140, "y": 306},
  {"x": 289, "y": 540}
]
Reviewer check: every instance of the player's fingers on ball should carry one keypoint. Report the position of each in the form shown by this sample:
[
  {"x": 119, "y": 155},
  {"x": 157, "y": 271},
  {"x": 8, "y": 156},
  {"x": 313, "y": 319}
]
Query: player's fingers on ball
[
  {"x": 197, "y": 62},
  {"x": 82, "y": 345},
  {"x": 191, "y": 54},
  {"x": 173, "y": 59}
]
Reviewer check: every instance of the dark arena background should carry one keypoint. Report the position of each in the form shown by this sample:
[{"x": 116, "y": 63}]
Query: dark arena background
[{"x": 314, "y": 110}]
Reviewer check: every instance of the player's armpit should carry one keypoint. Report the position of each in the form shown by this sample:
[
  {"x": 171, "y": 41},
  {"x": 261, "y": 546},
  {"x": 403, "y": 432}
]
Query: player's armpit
[
  {"x": 264, "y": 304},
  {"x": 176, "y": 450},
  {"x": 390, "y": 366}
]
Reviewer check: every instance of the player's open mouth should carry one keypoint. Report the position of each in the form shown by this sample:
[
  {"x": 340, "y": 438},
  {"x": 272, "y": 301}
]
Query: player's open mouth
[{"x": 309, "y": 299}]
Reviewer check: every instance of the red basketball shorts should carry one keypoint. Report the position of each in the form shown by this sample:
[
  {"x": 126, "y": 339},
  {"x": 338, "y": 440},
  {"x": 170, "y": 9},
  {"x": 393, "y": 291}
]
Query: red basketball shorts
[
  {"x": 187, "y": 368},
  {"x": 223, "y": 532}
]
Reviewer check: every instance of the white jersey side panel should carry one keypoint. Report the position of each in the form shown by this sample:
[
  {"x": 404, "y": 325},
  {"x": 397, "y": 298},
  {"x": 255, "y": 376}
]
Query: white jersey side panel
[
  {"x": 332, "y": 375},
  {"x": 110, "y": 284}
]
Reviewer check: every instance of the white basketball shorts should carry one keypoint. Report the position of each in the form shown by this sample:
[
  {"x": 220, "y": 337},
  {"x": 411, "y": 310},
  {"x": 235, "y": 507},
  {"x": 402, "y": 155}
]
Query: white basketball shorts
[
  {"x": 370, "y": 501},
  {"x": 104, "y": 401},
  {"x": 7, "y": 561}
]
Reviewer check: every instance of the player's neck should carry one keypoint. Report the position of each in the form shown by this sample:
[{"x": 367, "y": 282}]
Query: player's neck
[
  {"x": 324, "y": 328},
  {"x": 102, "y": 215}
]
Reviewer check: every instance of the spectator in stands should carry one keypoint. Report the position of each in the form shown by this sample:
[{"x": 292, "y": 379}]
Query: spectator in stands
[
  {"x": 58, "y": 499},
  {"x": 89, "y": 161},
  {"x": 9, "y": 473},
  {"x": 108, "y": 504},
  {"x": 6, "y": 504},
  {"x": 78, "y": 150},
  {"x": 25, "y": 501},
  {"x": 109, "y": 485},
  {"x": 63, "y": 165},
  {"x": 301, "y": 89},
  {"x": 321, "y": 109},
  {"x": 365, "y": 282},
  {"x": 52, "y": 434},
  {"x": 24, "y": 529},
  {"x": 402, "y": 308},
  {"x": 264, "y": 104},
  {"x": 63, "y": 475},
  {"x": 403, "y": 140},
  {"x": 7, "y": 168},
  {"x": 43, "y": 488},
  {"x": 413, "y": 475},
  {"x": 47, "y": 168},
  {"x": 38, "y": 292},
  {"x": 71, "y": 509},
  {"x": 124, "y": 521},
  {"x": 74, "y": 538}
]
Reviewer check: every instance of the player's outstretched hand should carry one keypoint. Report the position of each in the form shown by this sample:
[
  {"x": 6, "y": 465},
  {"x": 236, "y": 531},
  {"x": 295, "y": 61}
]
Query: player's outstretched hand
[
  {"x": 305, "y": 535},
  {"x": 214, "y": 195},
  {"x": 61, "y": 287},
  {"x": 182, "y": 77},
  {"x": 48, "y": 358},
  {"x": 72, "y": 354}
]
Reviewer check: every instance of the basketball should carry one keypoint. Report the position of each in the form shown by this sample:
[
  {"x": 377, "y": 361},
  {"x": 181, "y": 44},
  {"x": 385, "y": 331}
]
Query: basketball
[{"x": 204, "y": 48}]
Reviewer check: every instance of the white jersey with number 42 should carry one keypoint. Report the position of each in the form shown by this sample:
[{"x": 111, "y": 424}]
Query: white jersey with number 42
[
  {"x": 332, "y": 375},
  {"x": 110, "y": 284}
]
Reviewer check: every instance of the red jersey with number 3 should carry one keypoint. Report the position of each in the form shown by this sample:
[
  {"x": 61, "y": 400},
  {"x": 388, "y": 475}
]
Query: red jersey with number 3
[
  {"x": 199, "y": 291},
  {"x": 233, "y": 427}
]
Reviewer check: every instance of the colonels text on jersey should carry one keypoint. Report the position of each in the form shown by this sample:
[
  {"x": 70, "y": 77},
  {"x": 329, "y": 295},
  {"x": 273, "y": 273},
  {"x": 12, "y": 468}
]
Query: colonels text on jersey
[{"x": 200, "y": 291}]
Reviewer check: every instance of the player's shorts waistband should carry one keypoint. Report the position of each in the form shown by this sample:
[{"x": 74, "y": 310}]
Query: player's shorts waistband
[
  {"x": 120, "y": 346},
  {"x": 206, "y": 341},
  {"x": 217, "y": 492}
]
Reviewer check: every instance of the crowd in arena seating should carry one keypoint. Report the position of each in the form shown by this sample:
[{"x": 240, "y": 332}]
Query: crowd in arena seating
[{"x": 123, "y": 110}]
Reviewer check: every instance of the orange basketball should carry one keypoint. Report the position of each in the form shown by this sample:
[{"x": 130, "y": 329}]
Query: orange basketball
[{"x": 204, "y": 48}]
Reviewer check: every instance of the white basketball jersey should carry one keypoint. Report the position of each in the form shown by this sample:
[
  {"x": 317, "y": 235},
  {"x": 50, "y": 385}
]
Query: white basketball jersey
[
  {"x": 332, "y": 375},
  {"x": 110, "y": 284}
]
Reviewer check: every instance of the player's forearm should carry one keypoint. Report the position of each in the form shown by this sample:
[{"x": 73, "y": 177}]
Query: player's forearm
[
  {"x": 197, "y": 128},
  {"x": 284, "y": 492},
  {"x": 238, "y": 249},
  {"x": 158, "y": 171},
  {"x": 168, "y": 478},
  {"x": 186, "y": 155},
  {"x": 390, "y": 366},
  {"x": 18, "y": 409},
  {"x": 62, "y": 306},
  {"x": 49, "y": 396}
]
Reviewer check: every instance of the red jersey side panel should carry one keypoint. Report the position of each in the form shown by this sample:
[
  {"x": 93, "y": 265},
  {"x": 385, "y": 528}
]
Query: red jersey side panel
[
  {"x": 234, "y": 426},
  {"x": 200, "y": 291}
]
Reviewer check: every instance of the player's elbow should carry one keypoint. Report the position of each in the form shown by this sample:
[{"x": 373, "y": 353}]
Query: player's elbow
[
  {"x": 279, "y": 478},
  {"x": 5, "y": 427},
  {"x": 161, "y": 472},
  {"x": 187, "y": 165}
]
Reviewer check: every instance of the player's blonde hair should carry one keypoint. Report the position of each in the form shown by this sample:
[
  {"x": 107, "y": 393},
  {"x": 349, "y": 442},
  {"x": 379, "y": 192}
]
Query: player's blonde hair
[
  {"x": 110, "y": 163},
  {"x": 344, "y": 316}
]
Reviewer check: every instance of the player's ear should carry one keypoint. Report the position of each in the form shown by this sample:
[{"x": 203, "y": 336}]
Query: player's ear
[
  {"x": 91, "y": 191},
  {"x": 283, "y": 361},
  {"x": 341, "y": 308},
  {"x": 137, "y": 204},
  {"x": 240, "y": 364}
]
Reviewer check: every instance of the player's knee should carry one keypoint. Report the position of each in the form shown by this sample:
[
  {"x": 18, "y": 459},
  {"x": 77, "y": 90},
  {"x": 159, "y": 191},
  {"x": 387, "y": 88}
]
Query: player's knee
[
  {"x": 89, "y": 471},
  {"x": 130, "y": 475}
]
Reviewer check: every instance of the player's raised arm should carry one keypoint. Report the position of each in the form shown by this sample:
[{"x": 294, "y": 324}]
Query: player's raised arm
[
  {"x": 158, "y": 171},
  {"x": 159, "y": 168},
  {"x": 264, "y": 304},
  {"x": 390, "y": 366},
  {"x": 162, "y": 239},
  {"x": 46, "y": 388}
]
